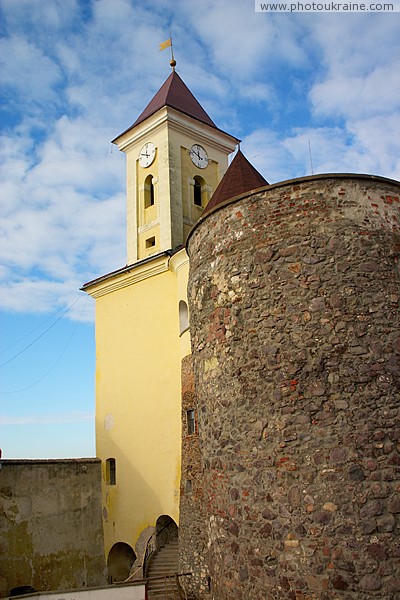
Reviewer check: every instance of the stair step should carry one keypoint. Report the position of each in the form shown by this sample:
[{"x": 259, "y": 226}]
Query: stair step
[
  {"x": 161, "y": 589},
  {"x": 157, "y": 590},
  {"x": 157, "y": 565},
  {"x": 165, "y": 559},
  {"x": 164, "y": 563},
  {"x": 171, "y": 593},
  {"x": 161, "y": 594}
]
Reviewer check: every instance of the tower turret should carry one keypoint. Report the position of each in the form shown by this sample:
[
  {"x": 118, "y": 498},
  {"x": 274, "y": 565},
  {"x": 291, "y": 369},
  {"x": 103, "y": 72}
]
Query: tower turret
[{"x": 176, "y": 156}]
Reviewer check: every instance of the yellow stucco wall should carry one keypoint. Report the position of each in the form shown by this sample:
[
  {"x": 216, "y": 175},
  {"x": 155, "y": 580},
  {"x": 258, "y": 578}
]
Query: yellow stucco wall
[
  {"x": 138, "y": 421},
  {"x": 139, "y": 340},
  {"x": 179, "y": 264}
]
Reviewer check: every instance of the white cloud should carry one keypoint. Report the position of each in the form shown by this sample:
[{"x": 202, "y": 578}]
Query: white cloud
[
  {"x": 349, "y": 97},
  {"x": 359, "y": 90},
  {"x": 271, "y": 157},
  {"x": 242, "y": 43},
  {"x": 28, "y": 74},
  {"x": 63, "y": 220},
  {"x": 355, "y": 45},
  {"x": 278, "y": 81},
  {"x": 361, "y": 148},
  {"x": 379, "y": 141},
  {"x": 71, "y": 417},
  {"x": 43, "y": 17}
]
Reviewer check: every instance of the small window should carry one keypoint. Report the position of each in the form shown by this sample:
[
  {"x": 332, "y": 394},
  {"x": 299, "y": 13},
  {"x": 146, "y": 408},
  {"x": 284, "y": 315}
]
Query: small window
[
  {"x": 183, "y": 317},
  {"x": 150, "y": 242},
  {"x": 188, "y": 486},
  {"x": 191, "y": 425},
  {"x": 111, "y": 471},
  {"x": 199, "y": 191},
  {"x": 149, "y": 191}
]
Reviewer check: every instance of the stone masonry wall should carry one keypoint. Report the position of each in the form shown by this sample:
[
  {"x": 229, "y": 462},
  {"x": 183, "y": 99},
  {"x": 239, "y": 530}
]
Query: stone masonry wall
[
  {"x": 294, "y": 303},
  {"x": 192, "y": 517},
  {"x": 51, "y": 535}
]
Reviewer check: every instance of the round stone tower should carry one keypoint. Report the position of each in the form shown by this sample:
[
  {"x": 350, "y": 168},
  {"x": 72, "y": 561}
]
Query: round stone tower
[{"x": 294, "y": 304}]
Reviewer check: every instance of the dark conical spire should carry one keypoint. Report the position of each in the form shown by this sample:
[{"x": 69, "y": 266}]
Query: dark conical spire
[
  {"x": 175, "y": 94},
  {"x": 240, "y": 177}
]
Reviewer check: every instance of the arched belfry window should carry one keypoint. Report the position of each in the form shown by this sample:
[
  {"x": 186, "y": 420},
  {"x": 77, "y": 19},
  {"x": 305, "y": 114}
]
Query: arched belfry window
[
  {"x": 148, "y": 191},
  {"x": 183, "y": 317},
  {"x": 199, "y": 191},
  {"x": 111, "y": 471}
]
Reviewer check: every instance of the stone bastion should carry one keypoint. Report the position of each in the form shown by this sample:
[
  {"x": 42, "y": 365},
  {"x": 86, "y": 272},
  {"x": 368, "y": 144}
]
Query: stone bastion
[{"x": 294, "y": 317}]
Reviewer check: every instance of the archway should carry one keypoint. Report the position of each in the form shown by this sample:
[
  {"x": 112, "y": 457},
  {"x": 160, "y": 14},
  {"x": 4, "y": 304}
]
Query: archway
[
  {"x": 21, "y": 590},
  {"x": 166, "y": 530},
  {"x": 120, "y": 560}
]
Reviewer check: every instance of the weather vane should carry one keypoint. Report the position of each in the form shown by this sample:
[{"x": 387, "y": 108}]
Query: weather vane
[{"x": 168, "y": 44}]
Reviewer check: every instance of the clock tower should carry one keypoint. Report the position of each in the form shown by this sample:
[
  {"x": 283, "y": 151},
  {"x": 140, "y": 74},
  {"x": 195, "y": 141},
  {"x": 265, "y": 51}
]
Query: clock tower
[{"x": 175, "y": 158}]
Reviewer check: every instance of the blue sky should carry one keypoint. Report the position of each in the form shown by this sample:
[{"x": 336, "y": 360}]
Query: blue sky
[{"x": 77, "y": 73}]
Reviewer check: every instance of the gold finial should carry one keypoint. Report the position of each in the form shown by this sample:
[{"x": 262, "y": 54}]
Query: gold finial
[
  {"x": 172, "y": 62},
  {"x": 168, "y": 44}
]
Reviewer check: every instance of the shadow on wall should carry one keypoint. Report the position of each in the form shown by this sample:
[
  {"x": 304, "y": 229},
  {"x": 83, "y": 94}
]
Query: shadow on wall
[
  {"x": 120, "y": 560},
  {"x": 21, "y": 590}
]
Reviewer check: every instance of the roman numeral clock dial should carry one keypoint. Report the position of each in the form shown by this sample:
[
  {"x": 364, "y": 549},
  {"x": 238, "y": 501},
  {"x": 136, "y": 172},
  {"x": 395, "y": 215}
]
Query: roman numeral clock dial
[
  {"x": 147, "y": 154},
  {"x": 199, "y": 156}
]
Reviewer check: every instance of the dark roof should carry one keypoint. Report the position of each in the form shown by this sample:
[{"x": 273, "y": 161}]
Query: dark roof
[
  {"x": 240, "y": 177},
  {"x": 175, "y": 94}
]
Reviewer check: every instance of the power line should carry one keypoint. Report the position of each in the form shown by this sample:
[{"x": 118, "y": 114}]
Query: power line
[
  {"x": 41, "y": 335},
  {"x": 36, "y": 328},
  {"x": 57, "y": 359}
]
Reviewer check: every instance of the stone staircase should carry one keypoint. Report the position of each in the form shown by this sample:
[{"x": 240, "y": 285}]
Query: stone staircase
[{"x": 163, "y": 564}]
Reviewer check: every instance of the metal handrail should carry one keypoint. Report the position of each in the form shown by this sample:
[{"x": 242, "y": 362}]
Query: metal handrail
[
  {"x": 151, "y": 547},
  {"x": 181, "y": 591},
  {"x": 167, "y": 575}
]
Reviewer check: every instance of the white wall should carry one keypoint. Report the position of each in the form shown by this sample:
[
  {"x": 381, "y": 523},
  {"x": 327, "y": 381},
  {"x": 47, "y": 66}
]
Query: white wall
[{"x": 118, "y": 592}]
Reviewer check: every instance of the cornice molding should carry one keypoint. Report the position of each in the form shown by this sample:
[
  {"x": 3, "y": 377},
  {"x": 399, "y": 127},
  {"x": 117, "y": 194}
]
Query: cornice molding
[
  {"x": 129, "y": 276},
  {"x": 181, "y": 123},
  {"x": 178, "y": 260}
]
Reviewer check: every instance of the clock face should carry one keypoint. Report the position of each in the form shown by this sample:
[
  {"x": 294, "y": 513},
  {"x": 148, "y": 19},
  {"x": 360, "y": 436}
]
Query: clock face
[
  {"x": 147, "y": 154},
  {"x": 199, "y": 156}
]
